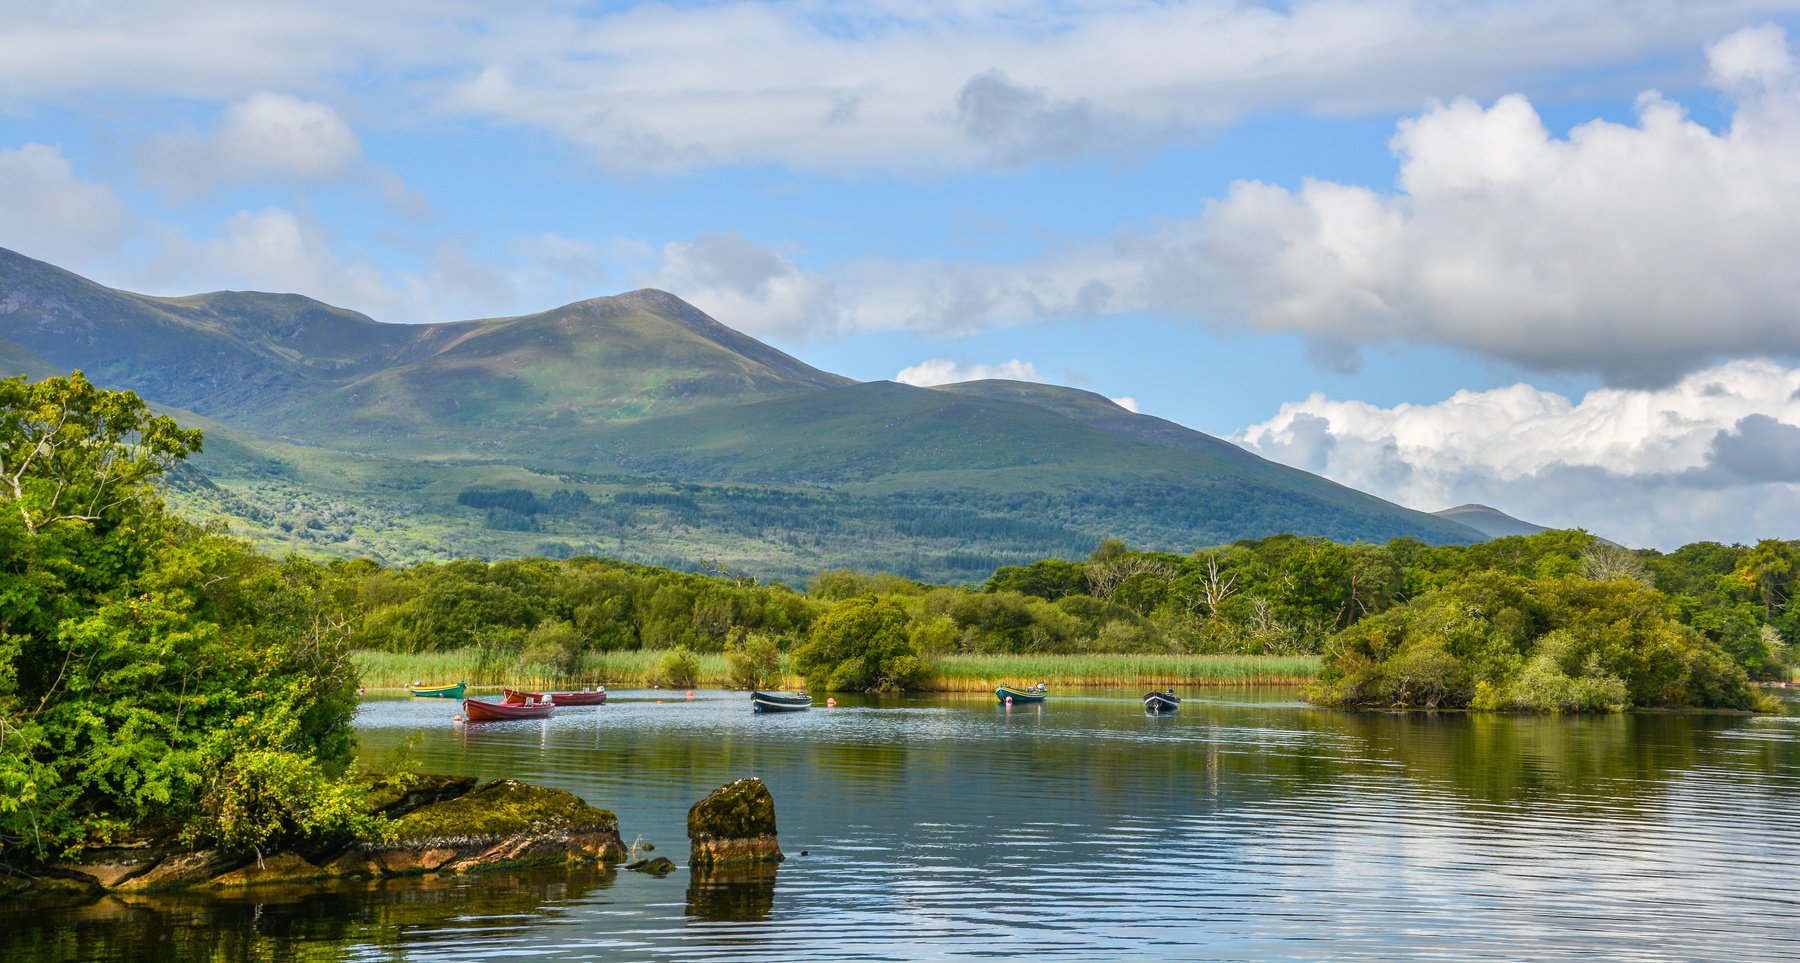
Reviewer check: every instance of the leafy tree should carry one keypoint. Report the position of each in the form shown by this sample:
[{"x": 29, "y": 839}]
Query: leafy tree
[
  {"x": 150, "y": 668},
  {"x": 861, "y": 644}
]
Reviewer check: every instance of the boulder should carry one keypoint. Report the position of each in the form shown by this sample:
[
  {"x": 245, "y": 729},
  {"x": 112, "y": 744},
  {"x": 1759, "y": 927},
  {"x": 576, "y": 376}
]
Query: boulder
[
  {"x": 735, "y": 824},
  {"x": 503, "y": 823}
]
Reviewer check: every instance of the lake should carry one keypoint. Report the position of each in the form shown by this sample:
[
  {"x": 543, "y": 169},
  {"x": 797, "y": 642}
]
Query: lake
[{"x": 1249, "y": 826}]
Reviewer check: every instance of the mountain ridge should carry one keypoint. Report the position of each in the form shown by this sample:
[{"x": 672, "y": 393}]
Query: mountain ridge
[{"x": 693, "y": 440}]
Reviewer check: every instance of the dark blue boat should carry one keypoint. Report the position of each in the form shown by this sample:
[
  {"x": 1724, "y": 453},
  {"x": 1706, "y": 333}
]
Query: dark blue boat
[
  {"x": 779, "y": 701},
  {"x": 1027, "y": 694},
  {"x": 1162, "y": 703}
]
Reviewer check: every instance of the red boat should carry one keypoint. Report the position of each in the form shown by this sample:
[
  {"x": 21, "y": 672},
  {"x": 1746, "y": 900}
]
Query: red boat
[
  {"x": 516, "y": 698},
  {"x": 474, "y": 710},
  {"x": 578, "y": 698}
]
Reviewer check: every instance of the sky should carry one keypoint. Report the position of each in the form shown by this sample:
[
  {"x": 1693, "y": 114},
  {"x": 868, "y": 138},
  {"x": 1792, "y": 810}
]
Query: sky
[{"x": 1544, "y": 256}]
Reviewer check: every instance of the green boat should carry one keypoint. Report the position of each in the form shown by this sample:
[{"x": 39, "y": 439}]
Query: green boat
[
  {"x": 1006, "y": 693},
  {"x": 437, "y": 691}
]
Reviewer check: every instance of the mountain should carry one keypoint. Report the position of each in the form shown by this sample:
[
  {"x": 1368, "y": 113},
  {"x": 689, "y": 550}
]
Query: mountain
[
  {"x": 1491, "y": 522},
  {"x": 639, "y": 427}
]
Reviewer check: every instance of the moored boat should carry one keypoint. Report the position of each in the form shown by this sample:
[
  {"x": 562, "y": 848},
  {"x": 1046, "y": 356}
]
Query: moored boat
[
  {"x": 517, "y": 697},
  {"x": 475, "y": 710},
  {"x": 1162, "y": 703},
  {"x": 590, "y": 698},
  {"x": 779, "y": 701},
  {"x": 437, "y": 691},
  {"x": 1022, "y": 694}
]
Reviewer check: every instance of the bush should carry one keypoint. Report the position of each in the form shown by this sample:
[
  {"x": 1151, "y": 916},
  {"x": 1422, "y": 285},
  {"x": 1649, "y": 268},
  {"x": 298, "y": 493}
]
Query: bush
[
  {"x": 755, "y": 663},
  {"x": 861, "y": 645},
  {"x": 680, "y": 669}
]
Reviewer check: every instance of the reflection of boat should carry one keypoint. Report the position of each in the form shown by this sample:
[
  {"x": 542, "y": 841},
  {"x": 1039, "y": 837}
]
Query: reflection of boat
[
  {"x": 1006, "y": 692},
  {"x": 780, "y": 701},
  {"x": 1162, "y": 703},
  {"x": 437, "y": 691},
  {"x": 476, "y": 710}
]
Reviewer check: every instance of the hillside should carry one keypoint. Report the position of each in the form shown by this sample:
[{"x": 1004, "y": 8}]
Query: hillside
[
  {"x": 1491, "y": 522},
  {"x": 663, "y": 435}
]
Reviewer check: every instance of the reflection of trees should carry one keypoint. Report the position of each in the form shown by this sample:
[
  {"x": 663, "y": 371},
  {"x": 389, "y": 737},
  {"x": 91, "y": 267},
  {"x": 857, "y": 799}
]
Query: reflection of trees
[
  {"x": 732, "y": 893},
  {"x": 300, "y": 922}
]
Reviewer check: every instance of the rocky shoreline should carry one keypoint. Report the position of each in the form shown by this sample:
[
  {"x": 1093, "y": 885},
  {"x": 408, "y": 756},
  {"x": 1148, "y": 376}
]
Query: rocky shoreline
[{"x": 443, "y": 825}]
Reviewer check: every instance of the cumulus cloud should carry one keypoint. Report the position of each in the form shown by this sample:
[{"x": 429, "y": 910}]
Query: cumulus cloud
[
  {"x": 1128, "y": 403},
  {"x": 50, "y": 213},
  {"x": 943, "y": 371},
  {"x": 751, "y": 287},
  {"x": 828, "y": 86},
  {"x": 1714, "y": 456},
  {"x": 267, "y": 137},
  {"x": 1637, "y": 251}
]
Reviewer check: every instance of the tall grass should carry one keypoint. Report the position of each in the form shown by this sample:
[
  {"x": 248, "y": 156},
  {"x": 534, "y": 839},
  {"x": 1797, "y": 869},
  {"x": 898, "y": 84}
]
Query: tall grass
[
  {"x": 977, "y": 673},
  {"x": 952, "y": 673},
  {"x": 486, "y": 667}
]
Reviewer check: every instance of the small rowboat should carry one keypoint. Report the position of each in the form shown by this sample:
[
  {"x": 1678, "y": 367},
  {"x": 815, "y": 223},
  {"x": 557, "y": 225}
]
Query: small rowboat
[
  {"x": 514, "y": 697},
  {"x": 1006, "y": 692},
  {"x": 437, "y": 691},
  {"x": 476, "y": 710},
  {"x": 779, "y": 701},
  {"x": 1162, "y": 703},
  {"x": 579, "y": 698}
]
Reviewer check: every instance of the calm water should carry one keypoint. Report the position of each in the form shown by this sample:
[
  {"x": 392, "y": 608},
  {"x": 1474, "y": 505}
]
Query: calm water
[{"x": 1249, "y": 826}]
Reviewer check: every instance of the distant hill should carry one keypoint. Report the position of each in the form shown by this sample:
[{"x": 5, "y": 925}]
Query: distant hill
[
  {"x": 1491, "y": 522},
  {"x": 672, "y": 438}
]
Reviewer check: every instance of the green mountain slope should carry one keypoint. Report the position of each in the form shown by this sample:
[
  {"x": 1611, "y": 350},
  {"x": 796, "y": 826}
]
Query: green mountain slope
[{"x": 636, "y": 426}]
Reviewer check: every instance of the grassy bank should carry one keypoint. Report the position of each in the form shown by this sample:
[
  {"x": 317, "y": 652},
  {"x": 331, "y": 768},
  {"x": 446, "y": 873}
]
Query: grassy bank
[{"x": 955, "y": 673}]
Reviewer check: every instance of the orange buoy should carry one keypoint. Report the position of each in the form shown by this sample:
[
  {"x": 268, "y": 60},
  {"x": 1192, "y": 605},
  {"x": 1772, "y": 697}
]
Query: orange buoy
[
  {"x": 831, "y": 702},
  {"x": 456, "y": 718},
  {"x": 659, "y": 702},
  {"x": 690, "y": 693},
  {"x": 1009, "y": 700}
]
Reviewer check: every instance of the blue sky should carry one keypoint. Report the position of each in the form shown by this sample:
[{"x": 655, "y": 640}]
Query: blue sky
[{"x": 1532, "y": 254}]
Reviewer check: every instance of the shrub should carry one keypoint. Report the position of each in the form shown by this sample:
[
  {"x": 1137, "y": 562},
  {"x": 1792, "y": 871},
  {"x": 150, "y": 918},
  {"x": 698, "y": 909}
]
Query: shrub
[{"x": 680, "y": 669}]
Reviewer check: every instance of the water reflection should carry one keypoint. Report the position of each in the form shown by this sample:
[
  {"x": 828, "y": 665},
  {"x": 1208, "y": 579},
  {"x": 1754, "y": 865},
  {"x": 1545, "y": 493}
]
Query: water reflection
[
  {"x": 1248, "y": 825},
  {"x": 735, "y": 894}
]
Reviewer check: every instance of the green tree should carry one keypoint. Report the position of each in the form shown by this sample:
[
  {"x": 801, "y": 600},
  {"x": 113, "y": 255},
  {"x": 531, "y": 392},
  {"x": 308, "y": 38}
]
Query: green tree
[{"x": 861, "y": 644}]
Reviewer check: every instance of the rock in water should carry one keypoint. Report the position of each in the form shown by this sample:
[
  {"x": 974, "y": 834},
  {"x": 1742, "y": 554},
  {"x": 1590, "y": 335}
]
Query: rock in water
[
  {"x": 503, "y": 823},
  {"x": 736, "y": 824}
]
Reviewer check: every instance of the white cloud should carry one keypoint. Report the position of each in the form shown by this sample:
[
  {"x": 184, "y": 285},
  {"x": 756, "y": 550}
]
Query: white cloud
[
  {"x": 1128, "y": 403},
  {"x": 49, "y": 213},
  {"x": 265, "y": 138},
  {"x": 939, "y": 85},
  {"x": 1714, "y": 456},
  {"x": 1635, "y": 251},
  {"x": 943, "y": 371},
  {"x": 753, "y": 288}
]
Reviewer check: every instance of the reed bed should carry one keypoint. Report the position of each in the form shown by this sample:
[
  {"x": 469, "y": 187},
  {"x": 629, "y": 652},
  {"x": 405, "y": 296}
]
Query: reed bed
[
  {"x": 979, "y": 673},
  {"x": 482, "y": 667},
  {"x": 951, "y": 673}
]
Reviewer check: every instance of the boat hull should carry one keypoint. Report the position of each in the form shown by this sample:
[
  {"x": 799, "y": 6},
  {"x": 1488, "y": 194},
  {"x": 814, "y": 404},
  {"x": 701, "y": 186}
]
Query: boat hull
[
  {"x": 1006, "y": 692},
  {"x": 438, "y": 691},
  {"x": 474, "y": 710},
  {"x": 779, "y": 702},
  {"x": 577, "y": 698},
  {"x": 1161, "y": 703},
  {"x": 515, "y": 697}
]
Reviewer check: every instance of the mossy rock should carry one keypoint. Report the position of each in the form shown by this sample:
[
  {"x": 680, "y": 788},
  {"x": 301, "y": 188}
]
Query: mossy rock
[
  {"x": 739, "y": 810},
  {"x": 395, "y": 796},
  {"x": 735, "y": 824},
  {"x": 502, "y": 808}
]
